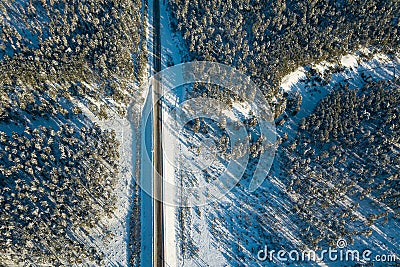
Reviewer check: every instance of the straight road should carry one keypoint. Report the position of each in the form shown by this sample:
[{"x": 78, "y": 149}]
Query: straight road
[{"x": 158, "y": 210}]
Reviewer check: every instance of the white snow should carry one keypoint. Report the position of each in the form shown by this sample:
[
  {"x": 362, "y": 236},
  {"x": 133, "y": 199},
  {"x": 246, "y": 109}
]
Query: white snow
[
  {"x": 291, "y": 79},
  {"x": 241, "y": 223},
  {"x": 241, "y": 108},
  {"x": 115, "y": 246},
  {"x": 170, "y": 47},
  {"x": 380, "y": 67},
  {"x": 349, "y": 61}
]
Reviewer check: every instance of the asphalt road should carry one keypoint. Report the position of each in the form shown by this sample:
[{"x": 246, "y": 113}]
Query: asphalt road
[{"x": 158, "y": 212}]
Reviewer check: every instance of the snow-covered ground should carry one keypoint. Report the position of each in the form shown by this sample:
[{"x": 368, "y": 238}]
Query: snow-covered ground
[
  {"x": 380, "y": 67},
  {"x": 230, "y": 232},
  {"x": 114, "y": 242},
  {"x": 171, "y": 55}
]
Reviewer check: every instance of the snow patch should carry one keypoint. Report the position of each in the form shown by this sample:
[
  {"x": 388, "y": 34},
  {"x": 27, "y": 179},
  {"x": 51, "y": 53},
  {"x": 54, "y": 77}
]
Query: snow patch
[
  {"x": 349, "y": 61},
  {"x": 291, "y": 79}
]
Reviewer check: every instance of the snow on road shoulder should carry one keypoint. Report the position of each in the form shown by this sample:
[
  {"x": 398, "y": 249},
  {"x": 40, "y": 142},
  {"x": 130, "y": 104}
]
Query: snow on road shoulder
[{"x": 171, "y": 55}]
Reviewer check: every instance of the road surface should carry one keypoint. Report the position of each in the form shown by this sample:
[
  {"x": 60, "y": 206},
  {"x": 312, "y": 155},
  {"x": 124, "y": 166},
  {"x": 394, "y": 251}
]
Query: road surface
[{"x": 158, "y": 208}]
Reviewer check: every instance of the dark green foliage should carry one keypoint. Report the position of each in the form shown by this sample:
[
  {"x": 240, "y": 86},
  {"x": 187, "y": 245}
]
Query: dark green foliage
[
  {"x": 84, "y": 42},
  {"x": 53, "y": 183},
  {"x": 269, "y": 39},
  {"x": 346, "y": 150}
]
